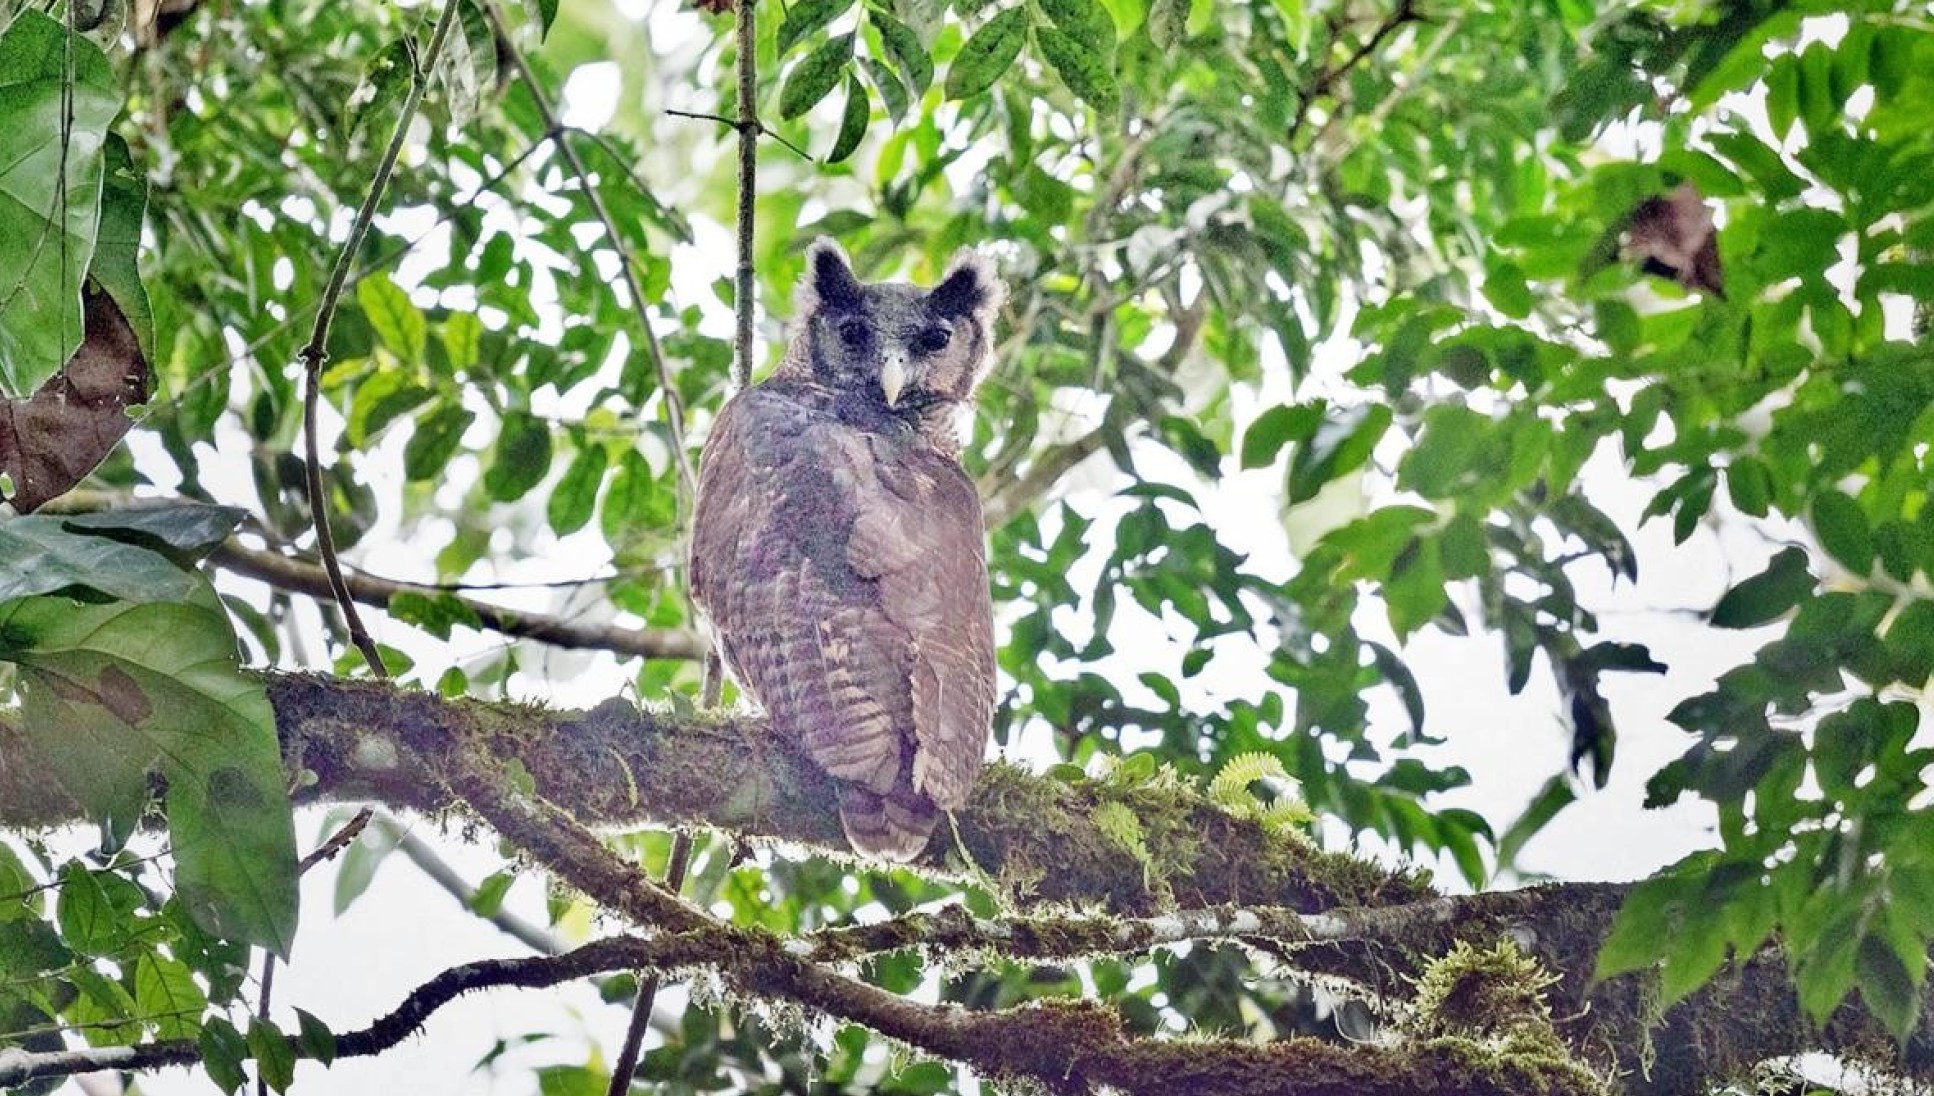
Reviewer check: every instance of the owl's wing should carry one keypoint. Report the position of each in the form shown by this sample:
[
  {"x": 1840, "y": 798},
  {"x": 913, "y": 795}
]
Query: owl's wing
[
  {"x": 920, "y": 537},
  {"x": 780, "y": 487}
]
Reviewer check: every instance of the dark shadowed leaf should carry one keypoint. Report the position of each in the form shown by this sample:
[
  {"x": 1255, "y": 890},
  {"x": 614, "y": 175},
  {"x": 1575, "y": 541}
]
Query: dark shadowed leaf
[
  {"x": 50, "y": 442},
  {"x": 1784, "y": 583},
  {"x": 852, "y": 125},
  {"x": 1842, "y": 528}
]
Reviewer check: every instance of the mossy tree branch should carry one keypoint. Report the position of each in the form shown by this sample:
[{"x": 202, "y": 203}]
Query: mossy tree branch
[{"x": 1323, "y": 914}]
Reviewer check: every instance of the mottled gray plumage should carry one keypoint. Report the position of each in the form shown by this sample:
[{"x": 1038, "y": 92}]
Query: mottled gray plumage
[{"x": 838, "y": 551}]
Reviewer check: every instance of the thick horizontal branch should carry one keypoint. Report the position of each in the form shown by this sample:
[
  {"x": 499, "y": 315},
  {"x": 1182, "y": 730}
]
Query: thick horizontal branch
[
  {"x": 302, "y": 577},
  {"x": 615, "y": 765}
]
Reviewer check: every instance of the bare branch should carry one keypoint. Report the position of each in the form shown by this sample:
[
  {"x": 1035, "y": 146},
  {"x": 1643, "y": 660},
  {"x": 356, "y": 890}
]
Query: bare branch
[{"x": 288, "y": 573}]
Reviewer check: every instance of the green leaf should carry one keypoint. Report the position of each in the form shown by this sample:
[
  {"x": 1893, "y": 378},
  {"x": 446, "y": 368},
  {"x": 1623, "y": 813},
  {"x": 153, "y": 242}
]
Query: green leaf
[
  {"x": 95, "y": 909},
  {"x": 1281, "y": 425},
  {"x": 397, "y": 322},
  {"x": 987, "y": 54},
  {"x": 273, "y": 1054},
  {"x": 1750, "y": 483},
  {"x": 1842, "y": 528},
  {"x": 438, "y": 433},
  {"x": 113, "y": 689},
  {"x": 575, "y": 497},
  {"x": 359, "y": 863},
  {"x": 1784, "y": 583},
  {"x": 812, "y": 78},
  {"x": 903, "y": 48},
  {"x": 462, "y": 337},
  {"x": 223, "y": 1050},
  {"x": 1415, "y": 591},
  {"x": 1555, "y": 796},
  {"x": 893, "y": 93},
  {"x": 183, "y": 531},
  {"x": 387, "y": 77},
  {"x": 1452, "y": 443},
  {"x": 1339, "y": 446},
  {"x": 434, "y": 611},
  {"x": 83, "y": 555},
  {"x": 852, "y": 124},
  {"x": 571, "y": 1081},
  {"x": 318, "y": 1042},
  {"x": 1505, "y": 288},
  {"x": 124, "y": 204},
  {"x": 165, "y": 991},
  {"x": 52, "y": 161},
  {"x": 546, "y": 13},
  {"x": 521, "y": 459},
  {"x": 1889, "y": 988},
  {"x": 1645, "y": 924},
  {"x": 1085, "y": 69},
  {"x": 804, "y": 18},
  {"x": 488, "y": 898},
  {"x": 468, "y": 67},
  {"x": 1399, "y": 677},
  {"x": 1087, "y": 24}
]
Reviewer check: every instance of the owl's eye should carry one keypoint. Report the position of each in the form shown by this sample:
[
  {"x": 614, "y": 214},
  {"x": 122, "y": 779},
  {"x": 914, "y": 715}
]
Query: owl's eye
[
  {"x": 854, "y": 333},
  {"x": 932, "y": 340}
]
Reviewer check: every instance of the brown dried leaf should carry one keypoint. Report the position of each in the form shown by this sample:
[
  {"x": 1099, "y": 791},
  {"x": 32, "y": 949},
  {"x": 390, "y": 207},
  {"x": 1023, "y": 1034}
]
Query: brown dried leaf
[
  {"x": 50, "y": 441},
  {"x": 1673, "y": 237}
]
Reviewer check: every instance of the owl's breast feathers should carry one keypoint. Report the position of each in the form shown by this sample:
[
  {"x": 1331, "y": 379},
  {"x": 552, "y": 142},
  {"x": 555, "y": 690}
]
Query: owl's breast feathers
[{"x": 841, "y": 559}]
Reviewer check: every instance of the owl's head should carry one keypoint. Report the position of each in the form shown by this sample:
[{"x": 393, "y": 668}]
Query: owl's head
[{"x": 909, "y": 349}]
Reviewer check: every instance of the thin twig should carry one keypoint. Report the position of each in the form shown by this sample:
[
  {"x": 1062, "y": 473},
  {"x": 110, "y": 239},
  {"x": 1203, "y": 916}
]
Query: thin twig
[
  {"x": 316, "y": 352},
  {"x": 1306, "y": 98},
  {"x": 649, "y": 981},
  {"x": 757, "y": 127},
  {"x": 674, "y": 403},
  {"x": 337, "y": 842}
]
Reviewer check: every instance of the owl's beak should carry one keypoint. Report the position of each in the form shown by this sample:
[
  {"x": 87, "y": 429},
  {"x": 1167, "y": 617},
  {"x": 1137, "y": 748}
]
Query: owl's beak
[{"x": 893, "y": 379}]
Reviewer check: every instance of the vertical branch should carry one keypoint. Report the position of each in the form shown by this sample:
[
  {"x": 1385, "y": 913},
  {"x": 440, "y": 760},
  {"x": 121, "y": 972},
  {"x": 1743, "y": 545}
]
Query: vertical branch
[
  {"x": 316, "y": 352},
  {"x": 749, "y": 128}
]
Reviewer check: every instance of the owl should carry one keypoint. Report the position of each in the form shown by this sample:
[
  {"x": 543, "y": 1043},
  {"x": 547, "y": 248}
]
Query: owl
[{"x": 837, "y": 547}]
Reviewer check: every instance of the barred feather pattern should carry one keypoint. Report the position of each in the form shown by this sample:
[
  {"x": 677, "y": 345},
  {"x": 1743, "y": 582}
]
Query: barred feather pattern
[{"x": 839, "y": 556}]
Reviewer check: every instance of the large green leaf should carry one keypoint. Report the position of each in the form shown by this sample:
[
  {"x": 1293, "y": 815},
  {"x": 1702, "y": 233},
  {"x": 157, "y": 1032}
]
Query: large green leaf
[
  {"x": 116, "y": 689},
  {"x": 987, "y": 54},
  {"x": 45, "y": 555},
  {"x": 51, "y": 166}
]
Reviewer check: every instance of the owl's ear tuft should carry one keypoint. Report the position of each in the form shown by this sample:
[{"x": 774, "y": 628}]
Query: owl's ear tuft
[
  {"x": 969, "y": 287},
  {"x": 828, "y": 282}
]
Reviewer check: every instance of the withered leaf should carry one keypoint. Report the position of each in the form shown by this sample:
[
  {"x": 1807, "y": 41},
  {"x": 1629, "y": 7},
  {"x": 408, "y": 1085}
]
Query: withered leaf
[
  {"x": 1673, "y": 237},
  {"x": 53, "y": 439}
]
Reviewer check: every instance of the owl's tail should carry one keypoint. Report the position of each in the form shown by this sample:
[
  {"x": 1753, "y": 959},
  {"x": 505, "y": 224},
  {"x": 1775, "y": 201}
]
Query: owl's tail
[{"x": 894, "y": 826}]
